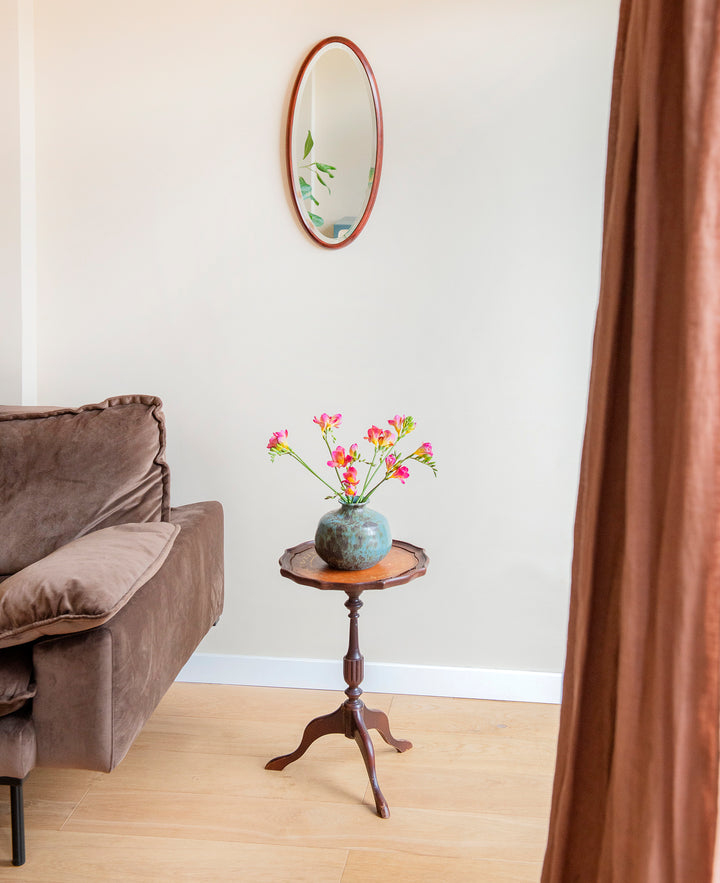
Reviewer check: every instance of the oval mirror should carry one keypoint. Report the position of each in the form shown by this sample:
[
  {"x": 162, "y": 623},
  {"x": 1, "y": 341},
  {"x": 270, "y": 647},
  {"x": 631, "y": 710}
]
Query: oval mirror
[{"x": 334, "y": 142}]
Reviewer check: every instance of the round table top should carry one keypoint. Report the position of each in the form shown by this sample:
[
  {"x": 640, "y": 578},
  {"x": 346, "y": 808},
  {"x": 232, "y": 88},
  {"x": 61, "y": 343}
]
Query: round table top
[{"x": 402, "y": 563}]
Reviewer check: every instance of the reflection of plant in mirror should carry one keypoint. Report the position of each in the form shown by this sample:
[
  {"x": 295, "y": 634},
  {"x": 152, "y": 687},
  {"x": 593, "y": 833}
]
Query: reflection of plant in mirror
[{"x": 314, "y": 169}]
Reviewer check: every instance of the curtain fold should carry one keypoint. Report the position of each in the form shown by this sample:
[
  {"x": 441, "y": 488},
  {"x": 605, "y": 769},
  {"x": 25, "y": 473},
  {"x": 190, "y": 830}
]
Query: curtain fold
[{"x": 635, "y": 795}]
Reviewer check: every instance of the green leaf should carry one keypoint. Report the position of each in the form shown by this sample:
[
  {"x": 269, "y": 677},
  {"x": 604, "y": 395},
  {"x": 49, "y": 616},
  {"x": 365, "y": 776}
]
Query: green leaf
[
  {"x": 324, "y": 167},
  {"x": 305, "y": 189},
  {"x": 323, "y": 182},
  {"x": 316, "y": 219},
  {"x": 308, "y": 144}
]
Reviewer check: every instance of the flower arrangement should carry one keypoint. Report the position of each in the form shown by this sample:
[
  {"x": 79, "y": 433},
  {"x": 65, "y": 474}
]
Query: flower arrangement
[{"x": 385, "y": 463}]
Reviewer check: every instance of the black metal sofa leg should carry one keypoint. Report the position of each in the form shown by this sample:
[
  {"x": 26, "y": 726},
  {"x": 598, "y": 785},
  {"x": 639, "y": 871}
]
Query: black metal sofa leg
[{"x": 17, "y": 818}]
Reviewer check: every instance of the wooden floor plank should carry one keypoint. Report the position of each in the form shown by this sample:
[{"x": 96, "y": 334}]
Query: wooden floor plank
[
  {"x": 463, "y": 789},
  {"x": 67, "y": 857},
  {"x": 50, "y": 797},
  {"x": 192, "y": 800},
  {"x": 508, "y": 720},
  {"x": 293, "y": 822},
  {"x": 317, "y": 777},
  {"x": 380, "y": 867},
  {"x": 261, "y": 739},
  {"x": 258, "y": 703}
]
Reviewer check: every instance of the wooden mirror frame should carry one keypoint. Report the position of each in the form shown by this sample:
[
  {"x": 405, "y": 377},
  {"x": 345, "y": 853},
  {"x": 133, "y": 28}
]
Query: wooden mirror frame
[{"x": 297, "y": 196}]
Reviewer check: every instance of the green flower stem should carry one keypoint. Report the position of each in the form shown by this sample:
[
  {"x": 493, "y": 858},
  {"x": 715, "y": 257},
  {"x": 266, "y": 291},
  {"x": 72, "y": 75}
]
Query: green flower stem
[
  {"x": 385, "y": 455},
  {"x": 385, "y": 478},
  {"x": 402, "y": 460},
  {"x": 337, "y": 471},
  {"x": 372, "y": 473},
  {"x": 367, "y": 496},
  {"x": 303, "y": 463},
  {"x": 368, "y": 474}
]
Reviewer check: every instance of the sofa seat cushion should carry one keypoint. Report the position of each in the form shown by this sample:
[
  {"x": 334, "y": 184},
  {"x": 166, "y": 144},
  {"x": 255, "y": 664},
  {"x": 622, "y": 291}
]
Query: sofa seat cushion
[
  {"x": 84, "y": 583},
  {"x": 16, "y": 680},
  {"x": 19, "y": 744},
  {"x": 67, "y": 471}
]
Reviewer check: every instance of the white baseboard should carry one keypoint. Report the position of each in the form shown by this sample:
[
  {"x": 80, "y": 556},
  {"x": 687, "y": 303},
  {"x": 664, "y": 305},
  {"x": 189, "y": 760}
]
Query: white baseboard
[{"x": 414, "y": 680}]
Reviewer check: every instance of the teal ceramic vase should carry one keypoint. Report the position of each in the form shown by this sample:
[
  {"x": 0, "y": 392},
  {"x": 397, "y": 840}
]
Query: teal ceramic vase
[{"x": 352, "y": 537}]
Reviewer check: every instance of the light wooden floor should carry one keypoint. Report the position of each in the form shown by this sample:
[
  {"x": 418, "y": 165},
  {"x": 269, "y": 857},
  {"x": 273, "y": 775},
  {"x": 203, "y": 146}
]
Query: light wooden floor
[{"x": 192, "y": 801}]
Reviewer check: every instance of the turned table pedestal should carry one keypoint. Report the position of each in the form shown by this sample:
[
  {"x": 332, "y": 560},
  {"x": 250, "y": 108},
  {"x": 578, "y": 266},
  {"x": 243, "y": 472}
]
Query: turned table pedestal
[{"x": 353, "y": 719}]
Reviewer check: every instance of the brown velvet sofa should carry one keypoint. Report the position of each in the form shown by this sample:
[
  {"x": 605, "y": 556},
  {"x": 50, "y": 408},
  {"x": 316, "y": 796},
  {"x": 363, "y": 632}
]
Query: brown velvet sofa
[{"x": 105, "y": 590}]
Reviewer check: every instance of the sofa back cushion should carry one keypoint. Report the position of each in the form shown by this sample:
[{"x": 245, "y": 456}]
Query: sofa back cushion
[{"x": 65, "y": 472}]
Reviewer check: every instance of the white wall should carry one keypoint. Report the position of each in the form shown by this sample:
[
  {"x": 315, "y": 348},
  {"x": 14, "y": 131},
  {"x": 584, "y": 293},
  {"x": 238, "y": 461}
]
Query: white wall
[
  {"x": 10, "y": 288},
  {"x": 170, "y": 262}
]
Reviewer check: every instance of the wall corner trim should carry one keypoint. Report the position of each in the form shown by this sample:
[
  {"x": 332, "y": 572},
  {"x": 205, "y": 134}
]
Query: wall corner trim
[{"x": 413, "y": 680}]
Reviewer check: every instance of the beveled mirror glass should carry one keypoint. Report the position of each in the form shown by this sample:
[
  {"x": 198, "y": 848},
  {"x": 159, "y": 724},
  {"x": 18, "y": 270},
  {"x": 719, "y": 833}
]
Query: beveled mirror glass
[{"x": 334, "y": 142}]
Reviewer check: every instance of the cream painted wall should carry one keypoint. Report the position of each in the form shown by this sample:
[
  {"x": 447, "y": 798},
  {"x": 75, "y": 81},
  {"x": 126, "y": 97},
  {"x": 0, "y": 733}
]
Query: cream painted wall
[
  {"x": 11, "y": 332},
  {"x": 170, "y": 262}
]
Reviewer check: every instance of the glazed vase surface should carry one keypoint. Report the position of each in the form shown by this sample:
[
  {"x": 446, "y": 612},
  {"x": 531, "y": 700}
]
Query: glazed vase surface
[{"x": 353, "y": 537}]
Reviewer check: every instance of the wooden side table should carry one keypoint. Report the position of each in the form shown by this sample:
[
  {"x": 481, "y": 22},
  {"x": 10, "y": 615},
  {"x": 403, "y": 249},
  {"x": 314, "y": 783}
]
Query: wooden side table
[{"x": 353, "y": 719}]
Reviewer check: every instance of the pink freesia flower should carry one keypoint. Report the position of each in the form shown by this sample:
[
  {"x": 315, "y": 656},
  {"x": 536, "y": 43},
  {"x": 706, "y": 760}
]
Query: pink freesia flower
[
  {"x": 372, "y": 434},
  {"x": 402, "y": 472},
  {"x": 278, "y": 441},
  {"x": 339, "y": 458},
  {"x": 424, "y": 452},
  {"x": 353, "y": 453},
  {"x": 325, "y": 421},
  {"x": 350, "y": 481},
  {"x": 350, "y": 476},
  {"x": 390, "y": 461},
  {"x": 397, "y": 423},
  {"x": 381, "y": 438}
]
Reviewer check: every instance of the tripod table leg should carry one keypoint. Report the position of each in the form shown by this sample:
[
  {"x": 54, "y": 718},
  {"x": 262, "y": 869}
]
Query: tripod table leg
[
  {"x": 362, "y": 737},
  {"x": 378, "y": 720},
  {"x": 320, "y": 726}
]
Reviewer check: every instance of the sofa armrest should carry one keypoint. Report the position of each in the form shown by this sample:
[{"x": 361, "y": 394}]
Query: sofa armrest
[{"x": 95, "y": 690}]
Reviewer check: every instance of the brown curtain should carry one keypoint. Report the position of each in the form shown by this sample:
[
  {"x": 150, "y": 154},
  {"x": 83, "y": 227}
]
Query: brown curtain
[{"x": 636, "y": 784}]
